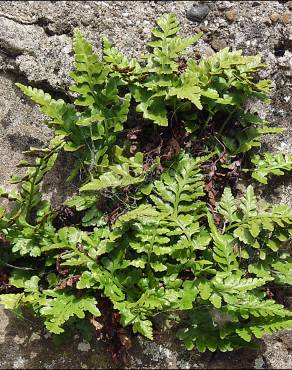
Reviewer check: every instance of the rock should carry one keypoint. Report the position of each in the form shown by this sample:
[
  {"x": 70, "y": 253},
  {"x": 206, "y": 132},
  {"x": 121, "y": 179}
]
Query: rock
[
  {"x": 198, "y": 13},
  {"x": 218, "y": 44},
  {"x": 286, "y": 18},
  {"x": 259, "y": 363},
  {"x": 267, "y": 21},
  {"x": 274, "y": 17},
  {"x": 197, "y": 54},
  {"x": 207, "y": 51},
  {"x": 231, "y": 15},
  {"x": 289, "y": 4},
  {"x": 283, "y": 360},
  {"x": 18, "y": 38},
  {"x": 286, "y": 60},
  {"x": 223, "y": 5},
  {"x": 83, "y": 346},
  {"x": 288, "y": 304},
  {"x": 203, "y": 28},
  {"x": 17, "y": 353},
  {"x": 255, "y": 3}
]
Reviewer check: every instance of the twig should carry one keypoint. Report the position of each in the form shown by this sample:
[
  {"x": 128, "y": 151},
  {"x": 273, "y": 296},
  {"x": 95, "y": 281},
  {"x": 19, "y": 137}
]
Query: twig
[{"x": 18, "y": 267}]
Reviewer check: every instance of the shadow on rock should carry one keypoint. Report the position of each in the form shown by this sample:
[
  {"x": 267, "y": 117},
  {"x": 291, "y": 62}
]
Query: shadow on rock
[
  {"x": 55, "y": 185},
  {"x": 24, "y": 343}
]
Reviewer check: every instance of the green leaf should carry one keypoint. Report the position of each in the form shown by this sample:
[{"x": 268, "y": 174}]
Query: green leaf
[
  {"x": 188, "y": 90},
  {"x": 89, "y": 71},
  {"x": 120, "y": 175},
  {"x": 158, "y": 267},
  {"x": 143, "y": 327},
  {"x": 154, "y": 110},
  {"x": 62, "y": 306},
  {"x": 248, "y": 203},
  {"x": 11, "y": 301},
  {"x": 270, "y": 164},
  {"x": 227, "y": 206},
  {"x": 205, "y": 290},
  {"x": 223, "y": 251},
  {"x": 216, "y": 300},
  {"x": 57, "y": 110},
  {"x": 244, "y": 334},
  {"x": 139, "y": 213}
]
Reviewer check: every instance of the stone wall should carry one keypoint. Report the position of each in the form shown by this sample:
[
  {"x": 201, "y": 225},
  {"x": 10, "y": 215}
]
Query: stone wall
[{"x": 36, "y": 48}]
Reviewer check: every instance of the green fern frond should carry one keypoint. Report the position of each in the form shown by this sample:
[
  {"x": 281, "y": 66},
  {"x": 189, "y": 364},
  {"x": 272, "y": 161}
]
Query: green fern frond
[
  {"x": 112, "y": 55},
  {"x": 61, "y": 113},
  {"x": 282, "y": 271},
  {"x": 180, "y": 188},
  {"x": 260, "y": 326},
  {"x": 235, "y": 283},
  {"x": 270, "y": 164},
  {"x": 253, "y": 224},
  {"x": 223, "y": 251},
  {"x": 177, "y": 197},
  {"x": 130, "y": 172},
  {"x": 204, "y": 333},
  {"x": 139, "y": 213},
  {"x": 248, "y": 203},
  {"x": 250, "y": 305},
  {"x": 227, "y": 206},
  {"x": 61, "y": 306},
  {"x": 90, "y": 74},
  {"x": 169, "y": 26}
]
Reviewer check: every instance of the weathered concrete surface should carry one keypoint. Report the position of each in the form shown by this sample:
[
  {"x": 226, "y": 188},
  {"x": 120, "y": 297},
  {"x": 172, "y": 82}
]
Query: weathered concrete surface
[{"x": 36, "y": 48}]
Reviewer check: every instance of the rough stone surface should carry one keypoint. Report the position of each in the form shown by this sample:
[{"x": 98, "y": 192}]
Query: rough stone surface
[
  {"x": 36, "y": 48},
  {"x": 231, "y": 15},
  {"x": 274, "y": 17},
  {"x": 218, "y": 44},
  {"x": 198, "y": 13}
]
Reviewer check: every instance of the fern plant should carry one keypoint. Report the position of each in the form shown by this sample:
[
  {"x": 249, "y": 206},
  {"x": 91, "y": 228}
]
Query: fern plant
[
  {"x": 146, "y": 236},
  {"x": 270, "y": 164}
]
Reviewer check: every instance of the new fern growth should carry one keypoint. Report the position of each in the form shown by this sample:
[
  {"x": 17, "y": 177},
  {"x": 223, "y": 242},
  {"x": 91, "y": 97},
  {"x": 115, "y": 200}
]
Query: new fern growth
[{"x": 156, "y": 232}]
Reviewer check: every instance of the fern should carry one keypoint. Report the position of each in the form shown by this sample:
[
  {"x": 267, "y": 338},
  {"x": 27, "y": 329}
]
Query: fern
[
  {"x": 55, "y": 109},
  {"x": 152, "y": 95},
  {"x": 203, "y": 332},
  {"x": 167, "y": 45},
  {"x": 142, "y": 232},
  {"x": 61, "y": 306},
  {"x": 27, "y": 233},
  {"x": 283, "y": 271},
  {"x": 177, "y": 198},
  {"x": 56, "y": 307},
  {"x": 253, "y": 225},
  {"x": 90, "y": 73},
  {"x": 223, "y": 251},
  {"x": 261, "y": 326},
  {"x": 129, "y": 172},
  {"x": 250, "y": 305},
  {"x": 274, "y": 164}
]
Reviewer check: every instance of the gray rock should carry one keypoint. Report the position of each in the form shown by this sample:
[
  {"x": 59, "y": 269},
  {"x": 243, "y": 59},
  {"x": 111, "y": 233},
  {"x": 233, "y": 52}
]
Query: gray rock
[
  {"x": 18, "y": 38},
  {"x": 218, "y": 44},
  {"x": 198, "y": 13}
]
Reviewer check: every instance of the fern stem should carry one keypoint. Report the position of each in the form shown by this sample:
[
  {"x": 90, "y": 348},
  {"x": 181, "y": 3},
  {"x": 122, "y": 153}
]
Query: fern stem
[
  {"x": 227, "y": 120},
  {"x": 19, "y": 267},
  {"x": 32, "y": 188},
  {"x": 208, "y": 119}
]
